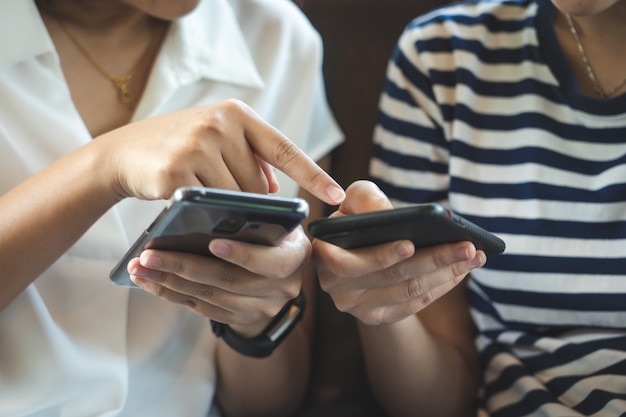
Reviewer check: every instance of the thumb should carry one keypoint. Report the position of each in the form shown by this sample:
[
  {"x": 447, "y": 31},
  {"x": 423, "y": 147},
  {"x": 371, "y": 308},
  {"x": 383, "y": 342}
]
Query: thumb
[{"x": 363, "y": 196}]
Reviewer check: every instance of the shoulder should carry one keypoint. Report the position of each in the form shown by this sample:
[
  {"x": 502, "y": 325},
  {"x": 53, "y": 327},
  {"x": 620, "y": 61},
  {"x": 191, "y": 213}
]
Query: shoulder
[
  {"x": 472, "y": 19},
  {"x": 477, "y": 11},
  {"x": 491, "y": 30}
]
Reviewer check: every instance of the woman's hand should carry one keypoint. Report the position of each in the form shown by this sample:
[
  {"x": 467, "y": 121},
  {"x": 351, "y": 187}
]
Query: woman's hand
[
  {"x": 223, "y": 145},
  {"x": 246, "y": 291},
  {"x": 388, "y": 282}
]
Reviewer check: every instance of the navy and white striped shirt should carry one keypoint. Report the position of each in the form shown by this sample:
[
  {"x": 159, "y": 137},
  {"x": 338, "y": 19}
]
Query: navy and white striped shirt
[{"x": 482, "y": 113}]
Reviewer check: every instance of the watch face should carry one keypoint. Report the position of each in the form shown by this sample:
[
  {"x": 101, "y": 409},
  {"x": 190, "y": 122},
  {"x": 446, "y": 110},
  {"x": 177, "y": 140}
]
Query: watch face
[{"x": 264, "y": 344}]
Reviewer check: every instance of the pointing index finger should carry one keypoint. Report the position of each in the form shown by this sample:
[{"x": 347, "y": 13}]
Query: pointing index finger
[
  {"x": 275, "y": 148},
  {"x": 293, "y": 161}
]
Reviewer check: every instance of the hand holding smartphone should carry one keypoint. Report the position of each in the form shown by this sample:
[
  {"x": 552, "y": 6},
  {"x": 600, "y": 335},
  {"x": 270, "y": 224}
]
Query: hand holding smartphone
[
  {"x": 423, "y": 224},
  {"x": 196, "y": 215}
]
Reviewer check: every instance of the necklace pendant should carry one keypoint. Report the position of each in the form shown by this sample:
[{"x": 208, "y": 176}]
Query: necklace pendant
[
  {"x": 599, "y": 91},
  {"x": 121, "y": 83}
]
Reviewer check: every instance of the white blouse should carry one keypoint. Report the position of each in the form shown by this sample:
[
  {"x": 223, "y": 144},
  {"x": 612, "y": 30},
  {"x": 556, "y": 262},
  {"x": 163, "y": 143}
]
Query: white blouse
[{"x": 73, "y": 344}]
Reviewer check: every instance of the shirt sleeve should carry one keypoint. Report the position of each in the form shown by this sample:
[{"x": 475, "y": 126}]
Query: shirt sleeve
[{"x": 410, "y": 153}]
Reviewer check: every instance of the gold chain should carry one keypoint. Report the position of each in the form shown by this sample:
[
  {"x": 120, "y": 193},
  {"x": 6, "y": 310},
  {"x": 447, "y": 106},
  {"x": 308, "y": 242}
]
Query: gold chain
[
  {"x": 590, "y": 73},
  {"x": 120, "y": 81}
]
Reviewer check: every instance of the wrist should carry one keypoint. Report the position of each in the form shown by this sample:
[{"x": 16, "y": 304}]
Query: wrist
[
  {"x": 264, "y": 343},
  {"x": 101, "y": 163},
  {"x": 249, "y": 331}
]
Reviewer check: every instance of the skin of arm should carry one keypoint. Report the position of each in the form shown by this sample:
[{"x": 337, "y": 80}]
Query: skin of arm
[
  {"x": 413, "y": 318},
  {"x": 38, "y": 223},
  {"x": 425, "y": 362},
  {"x": 273, "y": 386},
  {"x": 223, "y": 145},
  {"x": 45, "y": 215}
]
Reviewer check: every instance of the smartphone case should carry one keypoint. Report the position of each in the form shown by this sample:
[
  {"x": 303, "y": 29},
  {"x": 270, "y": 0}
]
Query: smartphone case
[
  {"x": 423, "y": 224},
  {"x": 196, "y": 215}
]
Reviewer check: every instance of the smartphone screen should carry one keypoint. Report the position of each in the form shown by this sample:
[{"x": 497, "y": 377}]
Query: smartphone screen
[
  {"x": 196, "y": 215},
  {"x": 423, "y": 224}
]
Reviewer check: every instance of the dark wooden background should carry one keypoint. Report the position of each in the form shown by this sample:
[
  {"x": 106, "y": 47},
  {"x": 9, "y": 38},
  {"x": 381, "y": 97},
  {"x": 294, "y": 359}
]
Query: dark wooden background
[{"x": 358, "y": 36}]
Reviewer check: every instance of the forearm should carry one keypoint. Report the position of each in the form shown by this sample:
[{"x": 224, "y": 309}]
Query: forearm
[
  {"x": 410, "y": 370},
  {"x": 42, "y": 217},
  {"x": 272, "y": 386}
]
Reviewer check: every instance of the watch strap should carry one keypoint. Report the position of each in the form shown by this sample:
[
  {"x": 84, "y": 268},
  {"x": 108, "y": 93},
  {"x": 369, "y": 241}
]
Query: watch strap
[{"x": 264, "y": 344}]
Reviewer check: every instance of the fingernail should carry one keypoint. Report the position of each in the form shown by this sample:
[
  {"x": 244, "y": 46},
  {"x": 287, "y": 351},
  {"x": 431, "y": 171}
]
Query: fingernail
[
  {"x": 337, "y": 194},
  {"x": 139, "y": 272},
  {"x": 462, "y": 252},
  {"x": 220, "y": 248},
  {"x": 150, "y": 261},
  {"x": 478, "y": 260},
  {"x": 140, "y": 282},
  {"x": 403, "y": 249}
]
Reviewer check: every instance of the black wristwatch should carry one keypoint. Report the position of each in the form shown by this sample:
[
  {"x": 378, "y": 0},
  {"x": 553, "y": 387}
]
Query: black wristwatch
[{"x": 264, "y": 344}]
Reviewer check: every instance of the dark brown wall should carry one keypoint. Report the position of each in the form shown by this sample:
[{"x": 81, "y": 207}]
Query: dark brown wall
[{"x": 358, "y": 36}]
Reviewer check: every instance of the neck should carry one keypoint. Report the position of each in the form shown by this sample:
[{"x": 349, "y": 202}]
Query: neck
[
  {"x": 97, "y": 16},
  {"x": 115, "y": 34},
  {"x": 602, "y": 36},
  {"x": 106, "y": 51},
  {"x": 605, "y": 28}
]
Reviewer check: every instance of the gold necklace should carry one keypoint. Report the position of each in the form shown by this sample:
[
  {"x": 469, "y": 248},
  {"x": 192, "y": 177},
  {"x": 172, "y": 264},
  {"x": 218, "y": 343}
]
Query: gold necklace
[
  {"x": 592, "y": 76},
  {"x": 119, "y": 81}
]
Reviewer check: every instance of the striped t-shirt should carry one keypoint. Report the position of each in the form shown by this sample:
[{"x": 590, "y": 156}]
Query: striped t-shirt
[{"x": 482, "y": 113}]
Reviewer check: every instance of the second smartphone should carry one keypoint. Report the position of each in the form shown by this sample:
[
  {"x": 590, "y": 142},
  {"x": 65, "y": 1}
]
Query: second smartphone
[
  {"x": 196, "y": 215},
  {"x": 423, "y": 224}
]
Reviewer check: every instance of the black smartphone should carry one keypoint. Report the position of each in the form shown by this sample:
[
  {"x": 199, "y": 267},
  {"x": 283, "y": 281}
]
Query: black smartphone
[
  {"x": 424, "y": 224},
  {"x": 195, "y": 215}
]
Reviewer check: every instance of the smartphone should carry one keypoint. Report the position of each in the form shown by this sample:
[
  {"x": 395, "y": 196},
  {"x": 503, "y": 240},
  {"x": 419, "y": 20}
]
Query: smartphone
[
  {"x": 424, "y": 224},
  {"x": 194, "y": 216}
]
